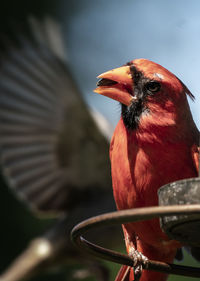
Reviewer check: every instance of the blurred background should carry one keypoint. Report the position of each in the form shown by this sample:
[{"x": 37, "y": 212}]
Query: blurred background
[{"x": 98, "y": 36}]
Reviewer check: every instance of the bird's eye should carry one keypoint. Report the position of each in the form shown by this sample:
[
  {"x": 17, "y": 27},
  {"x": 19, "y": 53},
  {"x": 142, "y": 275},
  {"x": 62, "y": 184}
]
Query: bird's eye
[{"x": 153, "y": 86}]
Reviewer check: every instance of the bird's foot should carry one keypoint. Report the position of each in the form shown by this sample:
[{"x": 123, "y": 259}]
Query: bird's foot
[{"x": 139, "y": 262}]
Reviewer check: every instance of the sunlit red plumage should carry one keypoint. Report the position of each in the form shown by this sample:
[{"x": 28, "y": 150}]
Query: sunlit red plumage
[{"x": 160, "y": 147}]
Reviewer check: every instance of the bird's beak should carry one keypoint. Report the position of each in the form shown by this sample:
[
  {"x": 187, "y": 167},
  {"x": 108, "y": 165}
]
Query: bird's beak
[{"x": 116, "y": 84}]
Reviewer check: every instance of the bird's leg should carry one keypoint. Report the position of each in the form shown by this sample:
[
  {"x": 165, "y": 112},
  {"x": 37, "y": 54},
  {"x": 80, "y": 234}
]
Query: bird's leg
[{"x": 139, "y": 260}]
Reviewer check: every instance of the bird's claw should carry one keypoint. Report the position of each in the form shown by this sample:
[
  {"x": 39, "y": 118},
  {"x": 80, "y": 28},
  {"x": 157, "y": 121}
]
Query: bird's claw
[
  {"x": 139, "y": 262},
  {"x": 137, "y": 257}
]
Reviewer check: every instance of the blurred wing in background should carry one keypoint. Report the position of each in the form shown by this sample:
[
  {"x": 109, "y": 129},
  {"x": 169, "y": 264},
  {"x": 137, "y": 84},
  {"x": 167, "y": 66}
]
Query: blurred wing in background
[
  {"x": 53, "y": 148},
  {"x": 54, "y": 152}
]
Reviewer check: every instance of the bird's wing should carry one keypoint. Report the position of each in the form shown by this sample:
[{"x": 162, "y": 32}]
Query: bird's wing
[
  {"x": 195, "y": 251},
  {"x": 52, "y": 151},
  {"x": 196, "y": 157}
]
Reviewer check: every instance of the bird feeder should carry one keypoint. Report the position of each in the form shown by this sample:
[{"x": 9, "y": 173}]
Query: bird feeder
[{"x": 184, "y": 228}]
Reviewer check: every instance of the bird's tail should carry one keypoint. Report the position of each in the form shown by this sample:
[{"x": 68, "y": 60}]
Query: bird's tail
[{"x": 125, "y": 274}]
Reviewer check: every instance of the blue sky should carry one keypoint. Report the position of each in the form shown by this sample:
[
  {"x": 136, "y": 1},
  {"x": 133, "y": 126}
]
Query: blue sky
[{"x": 101, "y": 35}]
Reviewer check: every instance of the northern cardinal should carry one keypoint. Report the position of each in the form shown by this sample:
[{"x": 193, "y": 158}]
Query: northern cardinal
[{"x": 154, "y": 143}]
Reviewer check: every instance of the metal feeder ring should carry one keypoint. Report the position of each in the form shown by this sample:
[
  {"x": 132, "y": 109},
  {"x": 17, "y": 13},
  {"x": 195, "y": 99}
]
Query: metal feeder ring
[{"x": 133, "y": 215}]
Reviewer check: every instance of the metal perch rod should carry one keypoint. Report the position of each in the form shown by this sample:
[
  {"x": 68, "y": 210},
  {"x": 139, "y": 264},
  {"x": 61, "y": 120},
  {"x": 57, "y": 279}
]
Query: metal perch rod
[{"x": 133, "y": 215}]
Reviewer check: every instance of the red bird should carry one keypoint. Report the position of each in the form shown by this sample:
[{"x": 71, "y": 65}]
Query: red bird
[{"x": 154, "y": 143}]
